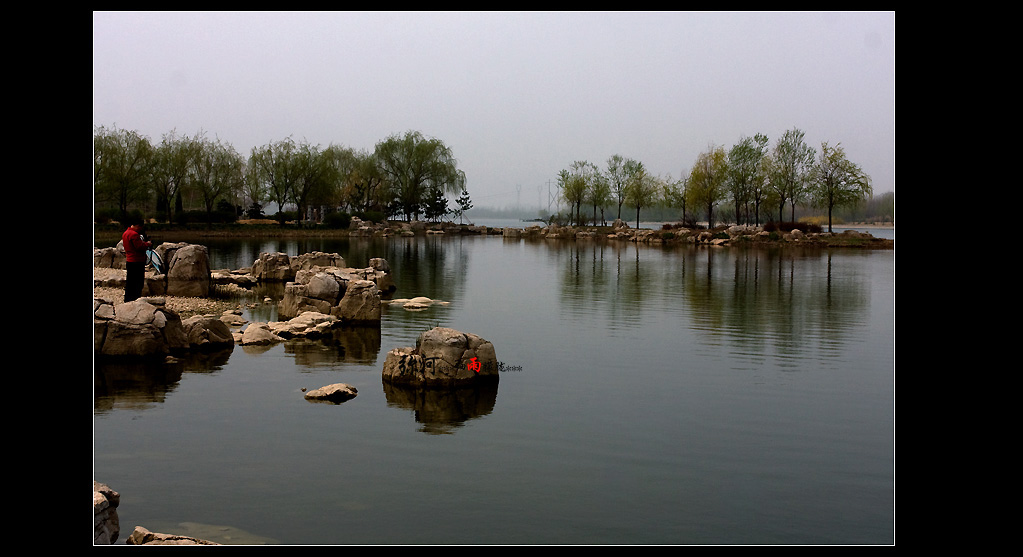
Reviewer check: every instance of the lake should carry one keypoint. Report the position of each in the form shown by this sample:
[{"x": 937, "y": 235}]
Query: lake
[{"x": 649, "y": 395}]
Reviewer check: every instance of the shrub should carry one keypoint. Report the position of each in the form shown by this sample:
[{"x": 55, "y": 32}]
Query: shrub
[
  {"x": 337, "y": 220},
  {"x": 254, "y": 211},
  {"x": 371, "y": 216}
]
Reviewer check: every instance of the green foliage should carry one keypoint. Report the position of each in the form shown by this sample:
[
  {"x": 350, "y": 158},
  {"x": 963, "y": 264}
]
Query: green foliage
[
  {"x": 255, "y": 211},
  {"x": 464, "y": 203},
  {"x": 837, "y": 182},
  {"x": 436, "y": 205},
  {"x": 707, "y": 185},
  {"x": 642, "y": 189},
  {"x": 791, "y": 164},
  {"x": 414, "y": 168},
  {"x": 122, "y": 165},
  {"x": 574, "y": 185}
]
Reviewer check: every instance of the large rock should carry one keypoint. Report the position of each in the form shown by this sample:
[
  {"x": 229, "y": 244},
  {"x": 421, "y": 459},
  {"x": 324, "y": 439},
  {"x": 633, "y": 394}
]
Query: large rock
[
  {"x": 316, "y": 259},
  {"x": 259, "y": 334},
  {"x": 108, "y": 258},
  {"x": 188, "y": 271},
  {"x": 207, "y": 333},
  {"x": 104, "y": 508},
  {"x": 273, "y": 267},
  {"x": 140, "y": 328},
  {"x": 342, "y": 293},
  {"x": 309, "y": 324},
  {"x": 279, "y": 267},
  {"x": 442, "y": 357},
  {"x": 360, "y": 303}
]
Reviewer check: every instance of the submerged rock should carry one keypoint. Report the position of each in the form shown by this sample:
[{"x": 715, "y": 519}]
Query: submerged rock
[{"x": 141, "y": 536}]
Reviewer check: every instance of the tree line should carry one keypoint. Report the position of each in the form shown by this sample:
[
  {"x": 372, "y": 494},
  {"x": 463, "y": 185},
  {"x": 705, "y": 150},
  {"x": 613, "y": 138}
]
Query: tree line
[
  {"x": 757, "y": 180},
  {"x": 406, "y": 175}
]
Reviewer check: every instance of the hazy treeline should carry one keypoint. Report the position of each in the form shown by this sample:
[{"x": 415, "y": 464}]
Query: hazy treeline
[
  {"x": 750, "y": 183},
  {"x": 406, "y": 175}
]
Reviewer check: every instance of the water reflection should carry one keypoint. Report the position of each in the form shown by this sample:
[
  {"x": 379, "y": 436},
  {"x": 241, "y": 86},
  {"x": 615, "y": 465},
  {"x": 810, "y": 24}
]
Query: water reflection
[
  {"x": 754, "y": 302},
  {"x": 443, "y": 410},
  {"x": 345, "y": 345},
  {"x": 142, "y": 384}
]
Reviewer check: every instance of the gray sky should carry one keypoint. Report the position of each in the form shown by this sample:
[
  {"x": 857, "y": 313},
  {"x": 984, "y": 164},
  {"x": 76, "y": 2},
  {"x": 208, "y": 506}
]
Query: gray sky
[{"x": 518, "y": 96}]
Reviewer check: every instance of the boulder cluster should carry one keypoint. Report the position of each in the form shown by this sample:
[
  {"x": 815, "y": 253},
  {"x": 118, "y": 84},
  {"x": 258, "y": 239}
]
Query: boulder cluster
[
  {"x": 145, "y": 328},
  {"x": 186, "y": 270},
  {"x": 321, "y": 293}
]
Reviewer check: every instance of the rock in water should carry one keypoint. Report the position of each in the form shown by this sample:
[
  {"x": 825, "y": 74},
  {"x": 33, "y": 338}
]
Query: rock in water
[
  {"x": 442, "y": 357},
  {"x": 338, "y": 392}
]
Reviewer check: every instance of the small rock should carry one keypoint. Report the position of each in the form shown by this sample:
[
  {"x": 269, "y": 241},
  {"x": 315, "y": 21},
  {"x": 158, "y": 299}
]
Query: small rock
[{"x": 338, "y": 392}]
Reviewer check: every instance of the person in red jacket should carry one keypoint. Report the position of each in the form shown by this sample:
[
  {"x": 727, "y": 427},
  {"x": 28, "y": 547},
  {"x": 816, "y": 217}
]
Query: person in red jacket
[{"x": 135, "y": 246}]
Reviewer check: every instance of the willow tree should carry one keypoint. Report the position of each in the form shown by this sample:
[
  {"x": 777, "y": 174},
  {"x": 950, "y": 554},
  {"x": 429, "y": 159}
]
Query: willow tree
[
  {"x": 619, "y": 172},
  {"x": 415, "y": 167},
  {"x": 642, "y": 189},
  {"x": 171, "y": 166},
  {"x": 598, "y": 193},
  {"x": 745, "y": 179},
  {"x": 315, "y": 174},
  {"x": 122, "y": 170},
  {"x": 708, "y": 181},
  {"x": 836, "y": 181},
  {"x": 574, "y": 184},
  {"x": 792, "y": 161},
  {"x": 217, "y": 171},
  {"x": 274, "y": 167},
  {"x": 367, "y": 183}
]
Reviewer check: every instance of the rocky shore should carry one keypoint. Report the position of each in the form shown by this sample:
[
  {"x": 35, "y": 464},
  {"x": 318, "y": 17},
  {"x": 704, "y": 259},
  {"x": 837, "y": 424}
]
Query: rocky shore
[
  {"x": 618, "y": 231},
  {"x": 229, "y": 296}
]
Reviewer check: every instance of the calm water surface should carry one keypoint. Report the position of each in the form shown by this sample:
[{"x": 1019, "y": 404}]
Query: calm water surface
[{"x": 650, "y": 396}]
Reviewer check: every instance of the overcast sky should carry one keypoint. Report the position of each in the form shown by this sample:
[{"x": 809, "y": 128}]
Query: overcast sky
[{"x": 517, "y": 96}]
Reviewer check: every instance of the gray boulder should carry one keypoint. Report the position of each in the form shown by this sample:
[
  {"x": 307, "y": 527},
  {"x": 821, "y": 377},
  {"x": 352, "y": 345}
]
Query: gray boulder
[
  {"x": 273, "y": 267},
  {"x": 360, "y": 303},
  {"x": 104, "y": 509},
  {"x": 140, "y": 328},
  {"x": 188, "y": 271},
  {"x": 442, "y": 357},
  {"x": 338, "y": 392},
  {"x": 204, "y": 332},
  {"x": 342, "y": 293}
]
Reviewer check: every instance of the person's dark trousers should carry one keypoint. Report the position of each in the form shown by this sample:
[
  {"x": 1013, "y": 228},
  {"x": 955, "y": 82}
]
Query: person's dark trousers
[{"x": 133, "y": 284}]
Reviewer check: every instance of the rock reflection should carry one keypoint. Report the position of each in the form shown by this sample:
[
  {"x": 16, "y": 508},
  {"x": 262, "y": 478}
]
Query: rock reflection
[
  {"x": 440, "y": 410},
  {"x": 143, "y": 384},
  {"x": 343, "y": 345}
]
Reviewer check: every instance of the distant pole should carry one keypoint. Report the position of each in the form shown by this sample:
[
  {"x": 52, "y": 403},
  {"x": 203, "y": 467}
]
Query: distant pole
[{"x": 550, "y": 199}]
